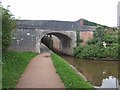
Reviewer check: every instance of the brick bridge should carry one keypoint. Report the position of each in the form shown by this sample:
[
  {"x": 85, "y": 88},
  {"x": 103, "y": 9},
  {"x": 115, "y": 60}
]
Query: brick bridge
[{"x": 29, "y": 33}]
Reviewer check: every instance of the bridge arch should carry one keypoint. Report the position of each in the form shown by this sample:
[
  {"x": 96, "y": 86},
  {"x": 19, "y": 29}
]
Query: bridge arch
[
  {"x": 28, "y": 40},
  {"x": 65, "y": 44}
]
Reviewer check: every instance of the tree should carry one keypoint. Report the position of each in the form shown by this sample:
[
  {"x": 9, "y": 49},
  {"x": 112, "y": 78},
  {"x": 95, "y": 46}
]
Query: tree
[
  {"x": 99, "y": 33},
  {"x": 78, "y": 40},
  {"x": 8, "y": 25}
]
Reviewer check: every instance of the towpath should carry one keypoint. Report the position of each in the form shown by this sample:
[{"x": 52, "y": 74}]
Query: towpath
[{"x": 40, "y": 73}]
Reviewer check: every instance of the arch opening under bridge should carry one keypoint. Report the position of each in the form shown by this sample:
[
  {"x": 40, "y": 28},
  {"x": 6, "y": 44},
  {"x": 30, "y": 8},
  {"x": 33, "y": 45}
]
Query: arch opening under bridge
[{"x": 59, "y": 41}]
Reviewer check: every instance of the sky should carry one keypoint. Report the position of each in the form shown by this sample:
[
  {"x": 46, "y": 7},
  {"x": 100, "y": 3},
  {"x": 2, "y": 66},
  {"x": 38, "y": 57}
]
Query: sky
[{"x": 99, "y": 11}]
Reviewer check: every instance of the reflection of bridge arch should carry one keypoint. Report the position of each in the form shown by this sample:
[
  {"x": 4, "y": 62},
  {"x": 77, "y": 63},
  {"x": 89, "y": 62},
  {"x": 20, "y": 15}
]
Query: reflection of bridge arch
[{"x": 65, "y": 42}]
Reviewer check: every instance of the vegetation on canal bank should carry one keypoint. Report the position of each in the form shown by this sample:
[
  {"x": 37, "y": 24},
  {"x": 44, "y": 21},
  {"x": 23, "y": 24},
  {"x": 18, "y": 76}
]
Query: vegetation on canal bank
[
  {"x": 68, "y": 75},
  {"x": 14, "y": 64},
  {"x": 8, "y": 25},
  {"x": 95, "y": 48}
]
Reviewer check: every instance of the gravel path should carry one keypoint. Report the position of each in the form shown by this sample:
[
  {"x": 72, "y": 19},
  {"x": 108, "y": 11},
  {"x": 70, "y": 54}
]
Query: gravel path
[{"x": 40, "y": 73}]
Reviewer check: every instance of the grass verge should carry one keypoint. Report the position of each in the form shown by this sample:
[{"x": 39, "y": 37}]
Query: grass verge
[
  {"x": 68, "y": 75},
  {"x": 14, "y": 64}
]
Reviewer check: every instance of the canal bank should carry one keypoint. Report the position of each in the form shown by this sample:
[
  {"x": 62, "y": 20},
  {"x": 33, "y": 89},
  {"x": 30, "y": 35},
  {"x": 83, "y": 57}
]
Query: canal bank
[
  {"x": 68, "y": 75},
  {"x": 99, "y": 73}
]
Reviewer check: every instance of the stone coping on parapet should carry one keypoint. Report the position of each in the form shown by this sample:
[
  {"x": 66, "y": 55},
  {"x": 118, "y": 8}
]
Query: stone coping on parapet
[{"x": 52, "y": 25}]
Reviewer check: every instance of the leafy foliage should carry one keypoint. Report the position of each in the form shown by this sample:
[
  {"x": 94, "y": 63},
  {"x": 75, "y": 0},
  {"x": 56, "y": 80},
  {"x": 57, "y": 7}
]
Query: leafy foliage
[
  {"x": 78, "y": 38},
  {"x": 8, "y": 24},
  {"x": 99, "y": 33},
  {"x": 95, "y": 48},
  {"x": 89, "y": 23}
]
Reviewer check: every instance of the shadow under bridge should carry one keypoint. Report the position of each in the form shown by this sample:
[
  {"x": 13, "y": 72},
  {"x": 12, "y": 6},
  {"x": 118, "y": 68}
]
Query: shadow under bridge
[{"x": 59, "y": 41}]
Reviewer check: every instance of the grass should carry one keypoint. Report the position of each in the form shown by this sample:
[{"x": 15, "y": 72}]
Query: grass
[
  {"x": 68, "y": 75},
  {"x": 0, "y": 73},
  {"x": 14, "y": 64}
]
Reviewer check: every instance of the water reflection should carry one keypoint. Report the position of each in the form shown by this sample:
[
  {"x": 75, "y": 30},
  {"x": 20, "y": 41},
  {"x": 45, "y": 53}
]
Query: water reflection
[
  {"x": 98, "y": 73},
  {"x": 110, "y": 82}
]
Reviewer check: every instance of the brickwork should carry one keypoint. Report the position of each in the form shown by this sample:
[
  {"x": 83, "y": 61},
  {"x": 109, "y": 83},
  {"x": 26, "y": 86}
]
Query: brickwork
[
  {"x": 85, "y": 36},
  {"x": 81, "y": 22}
]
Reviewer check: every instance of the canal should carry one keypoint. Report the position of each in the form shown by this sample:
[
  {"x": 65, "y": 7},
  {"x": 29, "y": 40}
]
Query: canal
[{"x": 103, "y": 74}]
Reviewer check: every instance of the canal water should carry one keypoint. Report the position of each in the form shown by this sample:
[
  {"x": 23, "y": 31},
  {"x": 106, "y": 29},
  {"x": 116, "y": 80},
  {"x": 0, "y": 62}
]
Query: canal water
[{"x": 102, "y": 74}]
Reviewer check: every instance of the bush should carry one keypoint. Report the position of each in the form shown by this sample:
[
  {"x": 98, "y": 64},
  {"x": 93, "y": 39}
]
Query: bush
[
  {"x": 92, "y": 41},
  {"x": 95, "y": 48},
  {"x": 8, "y": 24},
  {"x": 96, "y": 51},
  {"x": 77, "y": 51}
]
